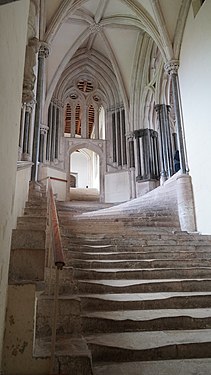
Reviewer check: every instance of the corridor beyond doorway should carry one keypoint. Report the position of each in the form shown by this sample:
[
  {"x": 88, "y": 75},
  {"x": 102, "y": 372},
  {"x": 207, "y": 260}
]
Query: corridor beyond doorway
[{"x": 87, "y": 194}]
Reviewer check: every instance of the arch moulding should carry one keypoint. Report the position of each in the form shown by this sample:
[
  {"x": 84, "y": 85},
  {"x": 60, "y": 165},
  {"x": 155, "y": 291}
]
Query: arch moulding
[{"x": 95, "y": 145}]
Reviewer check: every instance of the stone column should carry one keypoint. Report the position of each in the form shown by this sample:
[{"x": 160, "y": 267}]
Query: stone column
[
  {"x": 132, "y": 165},
  {"x": 114, "y": 142},
  {"x": 53, "y": 134},
  {"x": 25, "y": 155},
  {"x": 43, "y": 53},
  {"x": 166, "y": 110},
  {"x": 72, "y": 130},
  {"x": 84, "y": 126},
  {"x": 57, "y": 133},
  {"x": 163, "y": 174},
  {"x": 31, "y": 129},
  {"x": 21, "y": 134},
  {"x": 41, "y": 149},
  {"x": 172, "y": 68},
  {"x": 96, "y": 122},
  {"x": 124, "y": 149},
  {"x": 119, "y": 139},
  {"x": 43, "y": 141},
  {"x": 49, "y": 135},
  {"x": 166, "y": 155}
]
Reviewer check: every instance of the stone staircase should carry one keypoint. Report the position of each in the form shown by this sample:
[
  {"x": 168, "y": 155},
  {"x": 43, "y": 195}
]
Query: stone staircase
[
  {"x": 143, "y": 292},
  {"x": 135, "y": 294}
]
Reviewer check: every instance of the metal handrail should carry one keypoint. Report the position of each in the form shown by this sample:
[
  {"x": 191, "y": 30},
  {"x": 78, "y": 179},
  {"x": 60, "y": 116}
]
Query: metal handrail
[
  {"x": 58, "y": 250},
  {"x": 52, "y": 178},
  {"x": 55, "y": 257}
]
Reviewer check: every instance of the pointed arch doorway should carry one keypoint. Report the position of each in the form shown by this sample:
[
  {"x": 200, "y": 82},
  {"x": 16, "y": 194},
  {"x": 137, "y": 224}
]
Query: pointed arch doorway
[{"x": 86, "y": 165}]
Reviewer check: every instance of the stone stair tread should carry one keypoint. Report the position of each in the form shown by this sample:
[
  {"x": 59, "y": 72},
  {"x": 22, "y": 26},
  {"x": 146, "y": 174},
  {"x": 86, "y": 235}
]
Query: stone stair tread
[
  {"x": 133, "y": 248},
  {"x": 148, "y": 260},
  {"x": 142, "y": 296},
  {"x": 143, "y": 315},
  {"x": 121, "y": 253},
  {"x": 139, "y": 263},
  {"x": 198, "y": 366},
  {"x": 128, "y": 282},
  {"x": 149, "y": 340},
  {"x": 65, "y": 345},
  {"x": 115, "y": 270}
]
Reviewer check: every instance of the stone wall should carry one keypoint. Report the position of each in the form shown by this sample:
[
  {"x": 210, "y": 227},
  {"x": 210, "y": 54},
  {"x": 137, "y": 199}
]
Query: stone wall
[{"x": 13, "y": 33}]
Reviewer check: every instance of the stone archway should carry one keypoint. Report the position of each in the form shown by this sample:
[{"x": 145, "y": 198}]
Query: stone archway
[{"x": 95, "y": 145}]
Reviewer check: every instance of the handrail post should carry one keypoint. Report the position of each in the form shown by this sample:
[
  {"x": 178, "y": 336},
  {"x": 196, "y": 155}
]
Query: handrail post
[
  {"x": 54, "y": 322},
  {"x": 55, "y": 259}
]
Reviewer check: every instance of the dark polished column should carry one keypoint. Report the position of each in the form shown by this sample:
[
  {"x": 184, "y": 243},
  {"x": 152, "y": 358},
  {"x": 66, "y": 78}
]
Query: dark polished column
[
  {"x": 119, "y": 140},
  {"x": 49, "y": 135},
  {"x": 170, "y": 153},
  {"x": 172, "y": 68},
  {"x": 43, "y": 53},
  {"x": 166, "y": 152},
  {"x": 130, "y": 140},
  {"x": 131, "y": 151},
  {"x": 114, "y": 137},
  {"x": 162, "y": 147},
  {"x": 124, "y": 148},
  {"x": 42, "y": 143},
  {"x": 26, "y": 129}
]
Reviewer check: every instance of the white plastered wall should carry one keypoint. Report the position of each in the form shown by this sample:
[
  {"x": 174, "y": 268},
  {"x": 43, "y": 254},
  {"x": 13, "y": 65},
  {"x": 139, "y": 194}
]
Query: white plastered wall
[
  {"x": 23, "y": 177},
  {"x": 195, "y": 83},
  {"x": 58, "y": 180},
  {"x": 13, "y": 32},
  {"x": 117, "y": 187}
]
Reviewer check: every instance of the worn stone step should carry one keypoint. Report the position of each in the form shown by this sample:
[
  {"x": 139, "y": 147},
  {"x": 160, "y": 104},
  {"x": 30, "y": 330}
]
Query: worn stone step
[
  {"x": 39, "y": 203},
  {"x": 134, "y": 242},
  {"x": 142, "y": 346},
  {"x": 35, "y": 211},
  {"x": 157, "y": 273},
  {"x": 90, "y": 255},
  {"x": 27, "y": 264},
  {"x": 77, "y": 231},
  {"x": 68, "y": 318},
  {"x": 143, "y": 286},
  {"x": 145, "y": 301},
  {"x": 28, "y": 239},
  {"x": 146, "y": 320},
  {"x": 194, "y": 366},
  {"x": 31, "y": 222},
  {"x": 72, "y": 355},
  {"x": 144, "y": 263},
  {"x": 126, "y": 248}
]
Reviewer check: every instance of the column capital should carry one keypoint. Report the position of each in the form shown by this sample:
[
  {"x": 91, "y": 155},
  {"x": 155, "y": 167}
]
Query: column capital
[
  {"x": 30, "y": 106},
  {"x": 130, "y": 136},
  {"x": 158, "y": 107},
  {"x": 43, "y": 129},
  {"x": 57, "y": 102},
  {"x": 44, "y": 50},
  {"x": 172, "y": 66}
]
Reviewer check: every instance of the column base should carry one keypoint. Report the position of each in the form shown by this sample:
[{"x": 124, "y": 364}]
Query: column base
[
  {"x": 185, "y": 201},
  {"x": 144, "y": 187}
]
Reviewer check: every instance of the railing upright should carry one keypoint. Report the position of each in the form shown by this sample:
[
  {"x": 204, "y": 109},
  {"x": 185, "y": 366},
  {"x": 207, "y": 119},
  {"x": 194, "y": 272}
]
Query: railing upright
[{"x": 55, "y": 259}]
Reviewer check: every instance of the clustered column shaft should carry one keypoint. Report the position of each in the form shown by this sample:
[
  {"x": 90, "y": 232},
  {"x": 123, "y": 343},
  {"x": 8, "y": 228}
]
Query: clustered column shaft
[
  {"x": 43, "y": 53},
  {"x": 119, "y": 138},
  {"x": 172, "y": 68},
  {"x": 166, "y": 152}
]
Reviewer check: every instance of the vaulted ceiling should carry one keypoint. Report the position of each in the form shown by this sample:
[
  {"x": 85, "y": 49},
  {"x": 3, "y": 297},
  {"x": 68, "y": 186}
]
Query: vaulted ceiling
[{"x": 109, "y": 34}]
